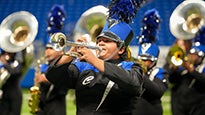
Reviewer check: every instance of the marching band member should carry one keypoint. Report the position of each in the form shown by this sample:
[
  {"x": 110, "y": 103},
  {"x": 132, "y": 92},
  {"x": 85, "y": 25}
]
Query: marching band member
[
  {"x": 11, "y": 93},
  {"x": 155, "y": 83},
  {"x": 188, "y": 80},
  {"x": 104, "y": 84},
  {"x": 90, "y": 78},
  {"x": 155, "y": 78},
  {"x": 52, "y": 98}
]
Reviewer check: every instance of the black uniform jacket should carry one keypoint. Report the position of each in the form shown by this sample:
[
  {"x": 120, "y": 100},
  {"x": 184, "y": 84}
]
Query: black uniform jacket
[
  {"x": 12, "y": 95},
  {"x": 187, "y": 87},
  {"x": 155, "y": 84},
  {"x": 90, "y": 85},
  {"x": 52, "y": 99}
]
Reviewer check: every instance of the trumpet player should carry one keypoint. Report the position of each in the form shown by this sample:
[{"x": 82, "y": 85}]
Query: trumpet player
[
  {"x": 11, "y": 93},
  {"x": 90, "y": 78},
  {"x": 188, "y": 80},
  {"x": 104, "y": 84}
]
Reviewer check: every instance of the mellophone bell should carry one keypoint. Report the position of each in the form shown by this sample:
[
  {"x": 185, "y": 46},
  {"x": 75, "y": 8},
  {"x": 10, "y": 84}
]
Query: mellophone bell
[{"x": 17, "y": 34}]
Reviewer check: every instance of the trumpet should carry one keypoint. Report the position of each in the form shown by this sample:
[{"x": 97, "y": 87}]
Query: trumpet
[{"x": 59, "y": 43}]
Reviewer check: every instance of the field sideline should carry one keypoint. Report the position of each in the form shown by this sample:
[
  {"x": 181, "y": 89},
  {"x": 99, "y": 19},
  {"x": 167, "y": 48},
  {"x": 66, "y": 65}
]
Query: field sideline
[{"x": 71, "y": 104}]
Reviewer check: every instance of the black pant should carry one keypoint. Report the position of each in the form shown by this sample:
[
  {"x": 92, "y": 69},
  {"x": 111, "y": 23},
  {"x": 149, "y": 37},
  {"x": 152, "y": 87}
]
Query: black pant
[
  {"x": 11, "y": 102},
  {"x": 181, "y": 106},
  {"x": 143, "y": 107},
  {"x": 54, "y": 107}
]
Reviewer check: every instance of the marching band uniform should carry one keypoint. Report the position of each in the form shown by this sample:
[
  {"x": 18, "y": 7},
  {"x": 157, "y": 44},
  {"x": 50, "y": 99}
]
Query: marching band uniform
[
  {"x": 52, "y": 98},
  {"x": 188, "y": 82},
  {"x": 155, "y": 78},
  {"x": 155, "y": 83},
  {"x": 11, "y": 98},
  {"x": 104, "y": 85},
  {"x": 101, "y": 93}
]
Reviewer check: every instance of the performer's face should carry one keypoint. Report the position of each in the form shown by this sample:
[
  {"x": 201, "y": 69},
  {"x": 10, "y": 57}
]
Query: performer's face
[
  {"x": 109, "y": 48},
  {"x": 52, "y": 54},
  {"x": 147, "y": 62}
]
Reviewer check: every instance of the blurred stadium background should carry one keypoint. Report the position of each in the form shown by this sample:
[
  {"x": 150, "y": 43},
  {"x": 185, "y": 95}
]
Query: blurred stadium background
[{"x": 74, "y": 9}]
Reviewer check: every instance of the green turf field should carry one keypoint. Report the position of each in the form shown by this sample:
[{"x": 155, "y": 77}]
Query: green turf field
[
  {"x": 166, "y": 103},
  {"x": 71, "y": 104}
]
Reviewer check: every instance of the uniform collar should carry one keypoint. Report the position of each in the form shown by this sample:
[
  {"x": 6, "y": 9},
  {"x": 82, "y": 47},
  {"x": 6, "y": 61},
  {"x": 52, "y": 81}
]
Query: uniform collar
[{"x": 115, "y": 61}]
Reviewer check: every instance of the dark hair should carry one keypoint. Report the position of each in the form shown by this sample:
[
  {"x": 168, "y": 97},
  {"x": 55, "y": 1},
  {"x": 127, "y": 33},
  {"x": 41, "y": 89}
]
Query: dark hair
[{"x": 124, "y": 55}]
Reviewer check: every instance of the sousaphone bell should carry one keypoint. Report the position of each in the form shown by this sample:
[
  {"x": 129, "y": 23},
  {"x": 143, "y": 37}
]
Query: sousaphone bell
[
  {"x": 91, "y": 22},
  {"x": 17, "y": 31},
  {"x": 187, "y": 18}
]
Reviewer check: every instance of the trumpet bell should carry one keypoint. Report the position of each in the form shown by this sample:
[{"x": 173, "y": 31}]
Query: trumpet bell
[
  {"x": 187, "y": 18},
  {"x": 17, "y": 31},
  {"x": 58, "y": 41}
]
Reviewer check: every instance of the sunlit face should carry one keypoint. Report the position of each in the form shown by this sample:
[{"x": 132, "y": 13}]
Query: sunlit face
[
  {"x": 109, "y": 48},
  {"x": 52, "y": 54}
]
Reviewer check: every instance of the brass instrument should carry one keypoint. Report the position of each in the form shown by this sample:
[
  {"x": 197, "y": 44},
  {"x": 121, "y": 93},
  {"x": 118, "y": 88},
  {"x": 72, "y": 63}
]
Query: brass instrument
[
  {"x": 35, "y": 92},
  {"x": 59, "y": 42},
  {"x": 4, "y": 75},
  {"x": 176, "y": 56},
  {"x": 18, "y": 32},
  {"x": 187, "y": 18},
  {"x": 91, "y": 22}
]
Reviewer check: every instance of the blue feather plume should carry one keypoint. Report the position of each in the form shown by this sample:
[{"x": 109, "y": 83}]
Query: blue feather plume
[
  {"x": 150, "y": 25},
  {"x": 124, "y": 10},
  {"x": 151, "y": 18},
  {"x": 56, "y": 18}
]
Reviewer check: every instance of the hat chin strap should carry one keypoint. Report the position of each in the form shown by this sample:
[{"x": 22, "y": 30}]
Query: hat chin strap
[{"x": 154, "y": 63}]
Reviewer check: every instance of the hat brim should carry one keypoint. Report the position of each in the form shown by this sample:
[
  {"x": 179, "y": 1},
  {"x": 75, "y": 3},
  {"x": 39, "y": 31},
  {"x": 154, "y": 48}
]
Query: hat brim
[
  {"x": 49, "y": 45},
  {"x": 109, "y": 35},
  {"x": 147, "y": 57}
]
